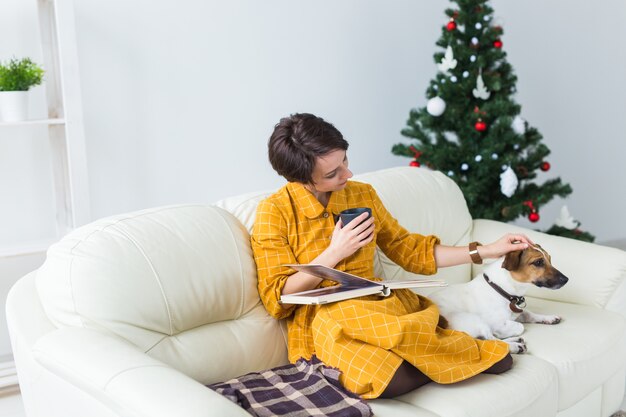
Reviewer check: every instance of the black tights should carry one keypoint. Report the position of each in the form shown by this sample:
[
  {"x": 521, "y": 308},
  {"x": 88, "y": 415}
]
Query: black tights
[{"x": 407, "y": 377}]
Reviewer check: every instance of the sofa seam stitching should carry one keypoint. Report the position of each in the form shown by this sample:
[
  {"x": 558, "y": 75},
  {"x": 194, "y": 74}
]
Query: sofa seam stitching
[
  {"x": 106, "y": 384},
  {"x": 73, "y": 256},
  {"x": 219, "y": 210},
  {"x": 155, "y": 274}
]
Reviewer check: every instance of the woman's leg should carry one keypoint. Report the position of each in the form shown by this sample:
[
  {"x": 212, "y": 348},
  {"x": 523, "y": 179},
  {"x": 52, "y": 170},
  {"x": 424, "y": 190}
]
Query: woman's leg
[
  {"x": 503, "y": 365},
  {"x": 407, "y": 378}
]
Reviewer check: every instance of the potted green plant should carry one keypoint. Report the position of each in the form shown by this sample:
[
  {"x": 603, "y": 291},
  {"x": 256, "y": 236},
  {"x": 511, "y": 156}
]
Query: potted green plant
[{"x": 17, "y": 76}]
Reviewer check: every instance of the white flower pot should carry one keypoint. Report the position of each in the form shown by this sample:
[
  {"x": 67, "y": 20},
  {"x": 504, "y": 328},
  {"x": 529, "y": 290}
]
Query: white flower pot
[{"x": 13, "y": 106}]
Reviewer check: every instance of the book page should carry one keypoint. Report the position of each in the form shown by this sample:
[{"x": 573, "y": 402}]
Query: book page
[
  {"x": 414, "y": 283},
  {"x": 332, "y": 274}
]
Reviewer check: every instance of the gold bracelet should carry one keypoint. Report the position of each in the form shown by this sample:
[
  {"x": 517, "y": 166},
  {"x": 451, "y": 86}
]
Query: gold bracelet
[{"x": 473, "y": 253}]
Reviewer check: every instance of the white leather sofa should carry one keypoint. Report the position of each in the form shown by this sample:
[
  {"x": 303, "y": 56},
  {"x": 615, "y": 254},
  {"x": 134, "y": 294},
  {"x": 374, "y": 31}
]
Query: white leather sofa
[{"x": 132, "y": 314}]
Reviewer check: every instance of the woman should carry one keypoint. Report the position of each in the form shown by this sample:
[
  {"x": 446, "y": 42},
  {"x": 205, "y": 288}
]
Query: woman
[{"x": 384, "y": 346}]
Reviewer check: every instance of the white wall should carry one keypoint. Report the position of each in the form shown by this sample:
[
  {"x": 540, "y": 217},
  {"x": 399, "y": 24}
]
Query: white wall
[
  {"x": 180, "y": 97},
  {"x": 572, "y": 87},
  {"x": 182, "y": 101}
]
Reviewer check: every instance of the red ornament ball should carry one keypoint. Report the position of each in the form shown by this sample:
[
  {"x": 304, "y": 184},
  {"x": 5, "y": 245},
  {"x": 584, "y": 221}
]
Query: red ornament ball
[
  {"x": 480, "y": 126},
  {"x": 533, "y": 217},
  {"x": 545, "y": 166},
  {"x": 497, "y": 43},
  {"x": 451, "y": 25},
  {"x": 414, "y": 164}
]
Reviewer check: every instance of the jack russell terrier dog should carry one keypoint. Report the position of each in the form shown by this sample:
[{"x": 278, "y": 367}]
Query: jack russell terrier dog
[{"x": 491, "y": 306}]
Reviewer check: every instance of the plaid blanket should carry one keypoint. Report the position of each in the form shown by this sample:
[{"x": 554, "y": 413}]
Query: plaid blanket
[{"x": 304, "y": 389}]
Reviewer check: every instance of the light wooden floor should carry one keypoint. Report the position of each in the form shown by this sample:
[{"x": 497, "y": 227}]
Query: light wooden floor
[{"x": 11, "y": 406}]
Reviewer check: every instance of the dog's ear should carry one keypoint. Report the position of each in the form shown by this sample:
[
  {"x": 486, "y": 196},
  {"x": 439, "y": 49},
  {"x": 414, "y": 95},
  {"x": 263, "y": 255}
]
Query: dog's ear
[{"x": 512, "y": 260}]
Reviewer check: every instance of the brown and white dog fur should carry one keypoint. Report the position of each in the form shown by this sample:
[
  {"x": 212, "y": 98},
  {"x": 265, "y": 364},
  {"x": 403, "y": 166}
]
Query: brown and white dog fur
[{"x": 479, "y": 310}]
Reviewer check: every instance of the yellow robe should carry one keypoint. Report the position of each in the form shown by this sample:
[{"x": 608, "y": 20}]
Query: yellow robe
[{"x": 366, "y": 338}]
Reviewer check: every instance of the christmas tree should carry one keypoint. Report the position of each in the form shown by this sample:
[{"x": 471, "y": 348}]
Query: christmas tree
[{"x": 471, "y": 128}]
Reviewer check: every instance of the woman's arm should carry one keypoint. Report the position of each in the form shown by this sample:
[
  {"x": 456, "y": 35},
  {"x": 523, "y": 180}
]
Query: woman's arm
[
  {"x": 424, "y": 254},
  {"x": 457, "y": 255}
]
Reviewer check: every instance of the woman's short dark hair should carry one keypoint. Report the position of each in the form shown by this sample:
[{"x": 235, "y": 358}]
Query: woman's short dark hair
[{"x": 297, "y": 141}]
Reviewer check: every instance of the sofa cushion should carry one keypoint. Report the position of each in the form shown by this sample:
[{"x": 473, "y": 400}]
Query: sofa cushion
[
  {"x": 243, "y": 207},
  {"x": 178, "y": 282},
  {"x": 530, "y": 388},
  {"x": 579, "y": 347},
  {"x": 395, "y": 408}
]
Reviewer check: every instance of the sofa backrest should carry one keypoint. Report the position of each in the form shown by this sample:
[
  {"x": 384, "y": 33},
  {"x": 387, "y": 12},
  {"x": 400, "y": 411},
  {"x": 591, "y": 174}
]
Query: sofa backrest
[
  {"x": 422, "y": 200},
  {"x": 177, "y": 282}
]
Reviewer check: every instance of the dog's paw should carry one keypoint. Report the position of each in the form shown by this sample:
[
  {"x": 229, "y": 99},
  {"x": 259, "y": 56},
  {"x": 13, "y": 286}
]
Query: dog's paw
[
  {"x": 516, "y": 345},
  {"x": 551, "y": 320}
]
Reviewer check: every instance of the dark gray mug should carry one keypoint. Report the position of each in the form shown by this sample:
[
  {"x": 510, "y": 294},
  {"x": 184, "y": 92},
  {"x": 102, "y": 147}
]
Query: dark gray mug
[{"x": 347, "y": 216}]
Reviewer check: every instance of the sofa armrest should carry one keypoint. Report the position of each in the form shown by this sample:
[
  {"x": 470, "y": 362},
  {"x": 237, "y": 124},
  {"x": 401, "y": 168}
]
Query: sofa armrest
[
  {"x": 597, "y": 273},
  {"x": 125, "y": 379}
]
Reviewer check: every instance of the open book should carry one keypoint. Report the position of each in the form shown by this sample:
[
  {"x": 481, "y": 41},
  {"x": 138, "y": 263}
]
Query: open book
[{"x": 350, "y": 286}]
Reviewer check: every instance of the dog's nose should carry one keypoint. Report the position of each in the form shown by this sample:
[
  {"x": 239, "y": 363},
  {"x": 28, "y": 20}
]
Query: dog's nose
[{"x": 563, "y": 280}]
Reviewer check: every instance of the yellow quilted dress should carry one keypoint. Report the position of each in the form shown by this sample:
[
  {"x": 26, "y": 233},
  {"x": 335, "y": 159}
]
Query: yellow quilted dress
[{"x": 366, "y": 338}]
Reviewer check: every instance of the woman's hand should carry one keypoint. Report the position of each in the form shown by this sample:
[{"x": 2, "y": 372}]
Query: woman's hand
[
  {"x": 507, "y": 243},
  {"x": 457, "y": 255},
  {"x": 343, "y": 243},
  {"x": 348, "y": 239}
]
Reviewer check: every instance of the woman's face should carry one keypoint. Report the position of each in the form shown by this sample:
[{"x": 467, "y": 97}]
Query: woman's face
[{"x": 331, "y": 171}]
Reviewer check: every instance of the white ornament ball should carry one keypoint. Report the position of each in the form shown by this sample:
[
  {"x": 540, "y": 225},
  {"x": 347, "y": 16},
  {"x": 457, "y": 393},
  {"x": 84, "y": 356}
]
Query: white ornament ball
[
  {"x": 478, "y": 158},
  {"x": 473, "y": 58},
  {"x": 475, "y": 40},
  {"x": 494, "y": 156},
  {"x": 450, "y": 173},
  {"x": 465, "y": 74},
  {"x": 486, "y": 18},
  {"x": 519, "y": 125},
  {"x": 504, "y": 167},
  {"x": 464, "y": 167},
  {"x": 516, "y": 146},
  {"x": 435, "y": 87},
  {"x": 436, "y": 106},
  {"x": 453, "y": 78},
  {"x": 478, "y": 26}
]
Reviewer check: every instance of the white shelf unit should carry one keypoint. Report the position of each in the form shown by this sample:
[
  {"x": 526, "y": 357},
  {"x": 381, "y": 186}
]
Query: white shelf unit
[
  {"x": 33, "y": 122},
  {"x": 64, "y": 121}
]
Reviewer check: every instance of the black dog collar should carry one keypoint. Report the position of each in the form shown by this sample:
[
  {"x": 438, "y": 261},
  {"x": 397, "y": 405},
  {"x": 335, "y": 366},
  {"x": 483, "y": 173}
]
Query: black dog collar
[{"x": 517, "y": 302}]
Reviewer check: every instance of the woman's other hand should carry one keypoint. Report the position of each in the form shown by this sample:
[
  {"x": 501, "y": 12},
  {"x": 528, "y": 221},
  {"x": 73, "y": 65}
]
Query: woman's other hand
[{"x": 507, "y": 243}]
